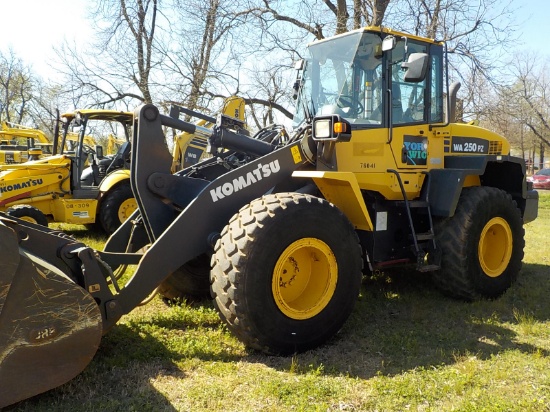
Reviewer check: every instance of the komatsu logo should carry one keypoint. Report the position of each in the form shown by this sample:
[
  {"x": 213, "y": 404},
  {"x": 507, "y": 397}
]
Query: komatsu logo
[
  {"x": 261, "y": 172},
  {"x": 22, "y": 185}
]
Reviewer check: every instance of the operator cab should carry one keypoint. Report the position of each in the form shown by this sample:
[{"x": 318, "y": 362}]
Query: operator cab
[
  {"x": 373, "y": 78},
  {"x": 81, "y": 130}
]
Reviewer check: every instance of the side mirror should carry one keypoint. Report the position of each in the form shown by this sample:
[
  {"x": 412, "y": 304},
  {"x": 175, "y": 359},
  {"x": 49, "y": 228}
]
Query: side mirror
[
  {"x": 388, "y": 43},
  {"x": 416, "y": 66}
]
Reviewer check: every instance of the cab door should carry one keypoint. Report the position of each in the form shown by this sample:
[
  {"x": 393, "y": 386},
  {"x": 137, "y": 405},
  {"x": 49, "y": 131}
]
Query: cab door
[{"x": 416, "y": 107}]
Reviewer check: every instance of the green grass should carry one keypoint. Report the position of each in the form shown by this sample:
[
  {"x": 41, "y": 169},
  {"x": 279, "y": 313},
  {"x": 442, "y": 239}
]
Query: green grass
[{"x": 405, "y": 347}]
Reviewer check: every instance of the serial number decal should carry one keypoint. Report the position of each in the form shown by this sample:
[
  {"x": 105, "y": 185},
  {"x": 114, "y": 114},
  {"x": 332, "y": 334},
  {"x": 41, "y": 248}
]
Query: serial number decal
[
  {"x": 365, "y": 165},
  {"x": 469, "y": 145},
  {"x": 77, "y": 205}
]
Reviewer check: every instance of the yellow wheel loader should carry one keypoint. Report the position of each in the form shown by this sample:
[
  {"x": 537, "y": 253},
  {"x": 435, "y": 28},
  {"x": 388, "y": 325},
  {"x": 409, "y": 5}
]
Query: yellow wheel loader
[{"x": 375, "y": 174}]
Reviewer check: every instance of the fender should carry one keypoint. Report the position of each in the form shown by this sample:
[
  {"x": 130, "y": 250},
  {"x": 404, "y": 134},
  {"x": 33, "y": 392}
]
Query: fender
[
  {"x": 504, "y": 172},
  {"x": 113, "y": 179},
  {"x": 342, "y": 189}
]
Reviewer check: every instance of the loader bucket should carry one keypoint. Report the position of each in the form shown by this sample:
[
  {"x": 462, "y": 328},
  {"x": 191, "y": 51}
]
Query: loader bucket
[{"x": 50, "y": 327}]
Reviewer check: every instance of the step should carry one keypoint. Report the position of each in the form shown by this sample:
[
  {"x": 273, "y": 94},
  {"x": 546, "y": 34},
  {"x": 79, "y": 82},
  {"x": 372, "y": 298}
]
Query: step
[
  {"x": 424, "y": 236},
  {"x": 413, "y": 203},
  {"x": 428, "y": 268}
]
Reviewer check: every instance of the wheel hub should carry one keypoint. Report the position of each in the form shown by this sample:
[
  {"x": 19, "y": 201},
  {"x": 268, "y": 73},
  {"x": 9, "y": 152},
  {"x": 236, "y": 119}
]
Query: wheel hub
[
  {"x": 304, "y": 278},
  {"x": 495, "y": 247},
  {"x": 126, "y": 209}
]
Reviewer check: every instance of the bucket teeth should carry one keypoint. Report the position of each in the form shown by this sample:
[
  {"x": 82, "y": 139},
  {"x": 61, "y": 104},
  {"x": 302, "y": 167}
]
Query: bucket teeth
[{"x": 50, "y": 327}]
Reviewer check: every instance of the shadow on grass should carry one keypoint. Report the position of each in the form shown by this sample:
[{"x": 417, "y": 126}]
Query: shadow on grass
[
  {"x": 119, "y": 378},
  {"x": 401, "y": 322}
]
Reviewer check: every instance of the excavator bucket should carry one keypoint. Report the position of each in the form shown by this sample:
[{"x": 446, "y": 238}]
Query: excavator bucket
[{"x": 50, "y": 327}]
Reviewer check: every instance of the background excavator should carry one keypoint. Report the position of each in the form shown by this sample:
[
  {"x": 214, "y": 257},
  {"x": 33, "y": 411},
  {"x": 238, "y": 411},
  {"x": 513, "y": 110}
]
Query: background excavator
[
  {"x": 19, "y": 144},
  {"x": 376, "y": 173}
]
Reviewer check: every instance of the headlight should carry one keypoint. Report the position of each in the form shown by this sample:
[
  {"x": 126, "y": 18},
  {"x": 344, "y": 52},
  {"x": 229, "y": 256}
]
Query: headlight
[
  {"x": 322, "y": 129},
  {"x": 332, "y": 128}
]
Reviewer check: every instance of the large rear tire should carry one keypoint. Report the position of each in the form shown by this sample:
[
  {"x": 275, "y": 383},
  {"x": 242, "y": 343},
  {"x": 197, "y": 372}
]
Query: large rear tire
[
  {"x": 286, "y": 273},
  {"x": 190, "y": 281},
  {"x": 28, "y": 213},
  {"x": 117, "y": 206},
  {"x": 482, "y": 245}
]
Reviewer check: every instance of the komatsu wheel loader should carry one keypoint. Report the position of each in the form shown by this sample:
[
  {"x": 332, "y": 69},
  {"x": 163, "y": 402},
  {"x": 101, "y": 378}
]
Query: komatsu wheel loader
[{"x": 375, "y": 174}]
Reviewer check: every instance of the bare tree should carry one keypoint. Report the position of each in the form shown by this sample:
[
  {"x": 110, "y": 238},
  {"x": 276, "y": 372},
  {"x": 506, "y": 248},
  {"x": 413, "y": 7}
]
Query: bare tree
[
  {"x": 477, "y": 34},
  {"x": 16, "y": 88},
  {"x": 200, "y": 54},
  {"x": 118, "y": 66},
  {"x": 532, "y": 90},
  {"x": 520, "y": 108}
]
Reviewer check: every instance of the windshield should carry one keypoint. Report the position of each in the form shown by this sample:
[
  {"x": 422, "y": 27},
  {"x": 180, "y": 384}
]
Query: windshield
[{"x": 343, "y": 76}]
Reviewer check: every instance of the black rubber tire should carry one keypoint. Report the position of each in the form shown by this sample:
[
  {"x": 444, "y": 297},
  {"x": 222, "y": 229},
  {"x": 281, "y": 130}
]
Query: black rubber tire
[
  {"x": 110, "y": 205},
  {"x": 462, "y": 275},
  {"x": 191, "y": 281},
  {"x": 244, "y": 267},
  {"x": 28, "y": 213}
]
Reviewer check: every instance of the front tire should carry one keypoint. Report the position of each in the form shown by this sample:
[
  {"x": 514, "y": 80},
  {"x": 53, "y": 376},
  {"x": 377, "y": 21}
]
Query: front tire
[
  {"x": 482, "y": 245},
  {"x": 286, "y": 272},
  {"x": 117, "y": 206},
  {"x": 28, "y": 213}
]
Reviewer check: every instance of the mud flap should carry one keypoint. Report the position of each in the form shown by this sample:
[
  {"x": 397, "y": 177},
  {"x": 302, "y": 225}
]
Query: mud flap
[{"x": 50, "y": 327}]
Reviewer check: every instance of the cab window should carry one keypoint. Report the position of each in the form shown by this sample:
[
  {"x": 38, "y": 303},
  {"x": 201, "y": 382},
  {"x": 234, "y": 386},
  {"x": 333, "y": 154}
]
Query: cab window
[{"x": 407, "y": 99}]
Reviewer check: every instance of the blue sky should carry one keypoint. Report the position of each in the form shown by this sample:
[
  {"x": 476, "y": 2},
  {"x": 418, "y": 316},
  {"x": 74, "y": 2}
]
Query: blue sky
[
  {"x": 536, "y": 27},
  {"x": 32, "y": 27}
]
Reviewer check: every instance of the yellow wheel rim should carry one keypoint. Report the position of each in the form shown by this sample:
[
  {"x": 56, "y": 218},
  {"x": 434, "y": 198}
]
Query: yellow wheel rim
[
  {"x": 495, "y": 247},
  {"x": 304, "y": 278},
  {"x": 28, "y": 219},
  {"x": 126, "y": 209}
]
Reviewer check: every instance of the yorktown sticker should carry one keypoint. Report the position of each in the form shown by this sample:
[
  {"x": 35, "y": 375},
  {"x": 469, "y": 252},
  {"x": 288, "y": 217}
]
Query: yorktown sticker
[{"x": 261, "y": 172}]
